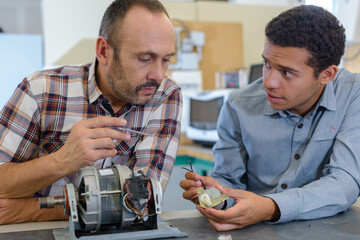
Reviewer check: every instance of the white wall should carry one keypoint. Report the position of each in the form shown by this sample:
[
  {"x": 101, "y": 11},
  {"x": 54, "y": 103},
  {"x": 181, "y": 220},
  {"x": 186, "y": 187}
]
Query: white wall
[
  {"x": 67, "y": 26},
  {"x": 348, "y": 13},
  {"x": 21, "y": 55},
  {"x": 66, "y": 22},
  {"x": 269, "y": 2},
  {"x": 21, "y": 45},
  {"x": 20, "y": 16}
]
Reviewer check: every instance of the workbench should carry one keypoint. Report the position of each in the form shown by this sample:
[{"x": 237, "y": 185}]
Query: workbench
[{"x": 344, "y": 226}]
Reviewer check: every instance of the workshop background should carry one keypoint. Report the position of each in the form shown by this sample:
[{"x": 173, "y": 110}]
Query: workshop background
[{"x": 218, "y": 44}]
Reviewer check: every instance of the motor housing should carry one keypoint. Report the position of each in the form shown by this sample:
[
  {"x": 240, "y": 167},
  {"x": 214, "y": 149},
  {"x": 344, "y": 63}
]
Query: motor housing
[{"x": 110, "y": 198}]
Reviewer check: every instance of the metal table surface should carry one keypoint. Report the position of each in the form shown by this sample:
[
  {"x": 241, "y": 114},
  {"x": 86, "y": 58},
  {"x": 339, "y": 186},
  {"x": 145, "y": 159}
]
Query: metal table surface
[{"x": 342, "y": 226}]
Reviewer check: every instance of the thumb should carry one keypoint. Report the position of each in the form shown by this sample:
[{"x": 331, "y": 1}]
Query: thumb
[{"x": 233, "y": 193}]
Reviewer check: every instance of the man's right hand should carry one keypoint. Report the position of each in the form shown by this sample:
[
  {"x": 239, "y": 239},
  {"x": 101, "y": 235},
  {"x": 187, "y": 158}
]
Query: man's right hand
[
  {"x": 192, "y": 182},
  {"x": 89, "y": 141}
]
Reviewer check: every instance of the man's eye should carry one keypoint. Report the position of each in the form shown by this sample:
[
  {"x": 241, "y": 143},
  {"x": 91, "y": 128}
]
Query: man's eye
[
  {"x": 144, "y": 60},
  {"x": 266, "y": 64},
  {"x": 288, "y": 74}
]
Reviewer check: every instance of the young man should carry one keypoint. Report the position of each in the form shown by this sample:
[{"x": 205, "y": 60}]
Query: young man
[
  {"x": 60, "y": 120},
  {"x": 288, "y": 144}
]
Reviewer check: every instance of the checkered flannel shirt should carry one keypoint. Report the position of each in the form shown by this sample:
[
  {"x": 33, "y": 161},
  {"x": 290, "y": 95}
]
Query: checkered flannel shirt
[{"x": 37, "y": 120}]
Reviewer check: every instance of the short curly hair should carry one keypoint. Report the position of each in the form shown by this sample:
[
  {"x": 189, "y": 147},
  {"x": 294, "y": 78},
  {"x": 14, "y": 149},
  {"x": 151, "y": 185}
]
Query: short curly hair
[{"x": 313, "y": 28}]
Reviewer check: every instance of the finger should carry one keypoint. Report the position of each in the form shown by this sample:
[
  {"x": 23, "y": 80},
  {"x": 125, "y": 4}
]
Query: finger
[
  {"x": 101, "y": 143},
  {"x": 3, "y": 203},
  {"x": 104, "y": 121},
  {"x": 100, "y": 154},
  {"x": 219, "y": 226},
  {"x": 192, "y": 176},
  {"x": 209, "y": 181},
  {"x": 193, "y": 180},
  {"x": 187, "y": 184},
  {"x": 109, "y": 133},
  {"x": 233, "y": 193},
  {"x": 224, "y": 216},
  {"x": 190, "y": 194}
]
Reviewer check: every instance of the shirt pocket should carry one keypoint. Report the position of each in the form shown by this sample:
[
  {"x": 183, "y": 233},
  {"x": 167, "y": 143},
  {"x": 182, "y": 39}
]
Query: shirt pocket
[
  {"x": 324, "y": 133},
  {"x": 317, "y": 151}
]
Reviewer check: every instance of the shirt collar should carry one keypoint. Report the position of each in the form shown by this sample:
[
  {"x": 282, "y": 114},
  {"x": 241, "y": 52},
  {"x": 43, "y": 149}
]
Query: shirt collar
[
  {"x": 93, "y": 90},
  {"x": 327, "y": 100}
]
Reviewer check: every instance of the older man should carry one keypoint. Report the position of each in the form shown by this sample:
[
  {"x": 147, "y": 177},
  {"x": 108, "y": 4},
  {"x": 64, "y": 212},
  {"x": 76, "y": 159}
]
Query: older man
[{"x": 61, "y": 120}]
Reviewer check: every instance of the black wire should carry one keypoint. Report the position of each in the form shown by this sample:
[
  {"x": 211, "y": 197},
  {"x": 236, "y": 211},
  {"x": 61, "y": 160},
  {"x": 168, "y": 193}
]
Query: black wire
[{"x": 191, "y": 170}]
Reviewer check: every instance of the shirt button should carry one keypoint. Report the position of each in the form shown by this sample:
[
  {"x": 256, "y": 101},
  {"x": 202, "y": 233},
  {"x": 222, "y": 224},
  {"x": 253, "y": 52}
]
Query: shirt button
[
  {"x": 300, "y": 125},
  {"x": 297, "y": 156},
  {"x": 283, "y": 186}
]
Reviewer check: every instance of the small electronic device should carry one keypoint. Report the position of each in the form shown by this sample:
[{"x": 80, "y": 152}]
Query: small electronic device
[
  {"x": 211, "y": 197},
  {"x": 204, "y": 109}
]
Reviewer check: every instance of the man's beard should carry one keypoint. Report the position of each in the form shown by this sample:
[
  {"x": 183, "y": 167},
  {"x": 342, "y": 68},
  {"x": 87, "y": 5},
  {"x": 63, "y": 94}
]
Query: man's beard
[{"x": 122, "y": 87}]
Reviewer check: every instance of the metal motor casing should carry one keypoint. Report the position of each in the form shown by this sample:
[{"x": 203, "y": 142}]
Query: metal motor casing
[
  {"x": 100, "y": 193},
  {"x": 94, "y": 209},
  {"x": 95, "y": 202}
]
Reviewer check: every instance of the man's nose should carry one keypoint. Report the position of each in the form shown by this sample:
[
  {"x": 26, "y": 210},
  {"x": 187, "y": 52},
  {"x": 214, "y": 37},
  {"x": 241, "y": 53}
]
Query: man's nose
[
  {"x": 272, "y": 79},
  {"x": 157, "y": 71}
]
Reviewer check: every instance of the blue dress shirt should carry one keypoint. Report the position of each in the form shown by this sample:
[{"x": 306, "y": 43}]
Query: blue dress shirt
[{"x": 310, "y": 166}]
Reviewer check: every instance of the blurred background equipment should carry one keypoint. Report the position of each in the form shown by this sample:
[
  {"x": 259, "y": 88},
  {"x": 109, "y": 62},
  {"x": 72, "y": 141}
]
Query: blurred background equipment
[
  {"x": 188, "y": 47},
  {"x": 204, "y": 109}
]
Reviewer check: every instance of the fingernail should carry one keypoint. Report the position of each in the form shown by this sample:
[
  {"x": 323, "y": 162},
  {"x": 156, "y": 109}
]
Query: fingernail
[{"x": 127, "y": 136}]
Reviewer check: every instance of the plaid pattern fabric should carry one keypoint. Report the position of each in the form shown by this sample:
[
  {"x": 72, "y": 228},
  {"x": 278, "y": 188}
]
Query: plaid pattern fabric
[{"x": 39, "y": 116}]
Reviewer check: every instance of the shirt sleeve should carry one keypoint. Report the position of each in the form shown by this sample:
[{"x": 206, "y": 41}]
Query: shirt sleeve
[
  {"x": 338, "y": 187},
  {"x": 155, "y": 155},
  {"x": 19, "y": 126},
  {"x": 229, "y": 147}
]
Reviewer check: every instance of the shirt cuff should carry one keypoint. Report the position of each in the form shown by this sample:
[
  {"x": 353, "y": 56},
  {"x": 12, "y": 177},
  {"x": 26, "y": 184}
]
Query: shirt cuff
[{"x": 288, "y": 205}]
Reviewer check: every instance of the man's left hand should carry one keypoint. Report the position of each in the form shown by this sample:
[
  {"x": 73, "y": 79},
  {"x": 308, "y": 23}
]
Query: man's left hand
[{"x": 249, "y": 209}]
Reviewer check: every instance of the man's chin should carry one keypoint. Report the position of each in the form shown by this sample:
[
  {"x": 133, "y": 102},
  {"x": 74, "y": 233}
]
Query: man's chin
[
  {"x": 143, "y": 100},
  {"x": 277, "y": 107}
]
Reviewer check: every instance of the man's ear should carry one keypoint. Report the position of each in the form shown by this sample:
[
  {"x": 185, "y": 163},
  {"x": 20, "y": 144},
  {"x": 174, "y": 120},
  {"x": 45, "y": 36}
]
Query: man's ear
[
  {"x": 102, "y": 50},
  {"x": 328, "y": 74}
]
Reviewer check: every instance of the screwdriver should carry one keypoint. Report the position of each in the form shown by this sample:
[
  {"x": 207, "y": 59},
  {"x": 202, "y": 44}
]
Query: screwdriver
[{"x": 130, "y": 131}]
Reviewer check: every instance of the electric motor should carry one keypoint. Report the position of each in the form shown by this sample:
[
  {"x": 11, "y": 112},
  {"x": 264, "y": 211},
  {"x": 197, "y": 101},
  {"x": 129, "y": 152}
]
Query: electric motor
[{"x": 107, "y": 198}]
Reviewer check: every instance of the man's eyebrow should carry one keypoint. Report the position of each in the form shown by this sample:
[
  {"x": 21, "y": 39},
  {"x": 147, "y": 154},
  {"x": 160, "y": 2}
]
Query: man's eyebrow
[
  {"x": 154, "y": 54},
  {"x": 171, "y": 54},
  {"x": 282, "y": 67}
]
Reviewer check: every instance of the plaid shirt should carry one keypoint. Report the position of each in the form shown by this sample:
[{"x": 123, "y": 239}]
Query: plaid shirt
[{"x": 40, "y": 114}]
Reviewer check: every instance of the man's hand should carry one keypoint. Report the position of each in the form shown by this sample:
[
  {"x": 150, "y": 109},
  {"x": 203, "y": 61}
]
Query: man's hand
[
  {"x": 27, "y": 210},
  {"x": 89, "y": 141},
  {"x": 249, "y": 209},
  {"x": 192, "y": 182}
]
